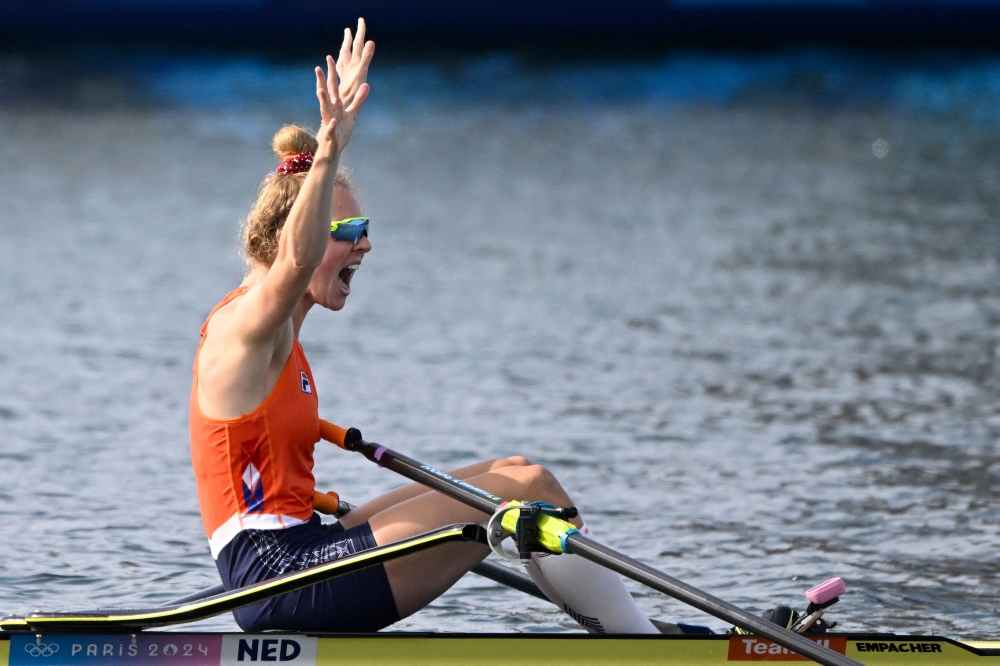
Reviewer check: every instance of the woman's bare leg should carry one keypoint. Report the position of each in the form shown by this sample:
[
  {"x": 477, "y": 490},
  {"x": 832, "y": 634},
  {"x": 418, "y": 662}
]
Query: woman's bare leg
[
  {"x": 418, "y": 579},
  {"x": 364, "y": 512},
  {"x": 582, "y": 588}
]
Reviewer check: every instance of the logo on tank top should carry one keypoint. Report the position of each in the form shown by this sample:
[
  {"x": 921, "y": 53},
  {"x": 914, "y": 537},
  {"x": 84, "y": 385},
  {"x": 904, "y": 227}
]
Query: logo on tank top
[
  {"x": 253, "y": 489},
  {"x": 306, "y": 386}
]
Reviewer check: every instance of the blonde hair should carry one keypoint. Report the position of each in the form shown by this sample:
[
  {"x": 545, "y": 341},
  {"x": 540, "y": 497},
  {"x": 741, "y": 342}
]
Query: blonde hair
[{"x": 277, "y": 194}]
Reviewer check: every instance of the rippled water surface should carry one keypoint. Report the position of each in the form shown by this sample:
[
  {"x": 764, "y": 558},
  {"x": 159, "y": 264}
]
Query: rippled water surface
[{"x": 757, "y": 344}]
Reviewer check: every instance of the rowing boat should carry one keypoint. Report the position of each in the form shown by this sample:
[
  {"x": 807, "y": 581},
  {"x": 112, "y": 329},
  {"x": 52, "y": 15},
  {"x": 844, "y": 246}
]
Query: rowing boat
[
  {"x": 115, "y": 636},
  {"x": 404, "y": 649}
]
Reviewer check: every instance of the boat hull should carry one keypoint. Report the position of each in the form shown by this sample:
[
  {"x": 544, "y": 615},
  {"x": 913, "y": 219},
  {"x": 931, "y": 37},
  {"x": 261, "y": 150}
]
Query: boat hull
[{"x": 215, "y": 649}]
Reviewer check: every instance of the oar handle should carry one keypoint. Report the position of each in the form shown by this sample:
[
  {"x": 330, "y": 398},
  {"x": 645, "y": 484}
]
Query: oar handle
[{"x": 334, "y": 434}]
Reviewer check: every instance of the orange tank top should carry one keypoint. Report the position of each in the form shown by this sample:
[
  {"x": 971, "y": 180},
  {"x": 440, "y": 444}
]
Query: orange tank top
[{"x": 255, "y": 471}]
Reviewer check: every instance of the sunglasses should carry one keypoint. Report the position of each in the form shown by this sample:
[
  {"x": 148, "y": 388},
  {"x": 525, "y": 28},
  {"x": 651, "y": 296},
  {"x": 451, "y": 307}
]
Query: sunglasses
[{"x": 350, "y": 230}]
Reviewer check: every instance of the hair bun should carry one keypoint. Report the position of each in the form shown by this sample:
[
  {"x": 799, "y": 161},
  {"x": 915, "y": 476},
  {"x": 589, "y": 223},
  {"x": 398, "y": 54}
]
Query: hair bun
[
  {"x": 295, "y": 147},
  {"x": 292, "y": 140}
]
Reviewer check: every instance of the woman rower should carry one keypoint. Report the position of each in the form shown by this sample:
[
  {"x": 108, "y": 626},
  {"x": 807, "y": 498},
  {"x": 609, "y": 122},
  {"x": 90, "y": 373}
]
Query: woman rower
[{"x": 254, "y": 416}]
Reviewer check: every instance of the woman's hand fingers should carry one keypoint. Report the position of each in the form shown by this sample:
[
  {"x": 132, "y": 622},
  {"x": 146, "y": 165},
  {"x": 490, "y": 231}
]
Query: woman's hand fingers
[
  {"x": 332, "y": 85},
  {"x": 359, "y": 41},
  {"x": 328, "y": 132},
  {"x": 340, "y": 100},
  {"x": 325, "y": 104},
  {"x": 366, "y": 59},
  {"x": 344, "y": 59},
  {"x": 356, "y": 75},
  {"x": 352, "y": 65},
  {"x": 359, "y": 100}
]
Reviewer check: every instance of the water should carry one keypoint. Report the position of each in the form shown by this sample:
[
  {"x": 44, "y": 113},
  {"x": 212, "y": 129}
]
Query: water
[{"x": 745, "y": 307}]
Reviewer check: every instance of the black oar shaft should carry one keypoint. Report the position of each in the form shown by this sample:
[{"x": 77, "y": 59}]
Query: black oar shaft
[
  {"x": 604, "y": 556},
  {"x": 639, "y": 572},
  {"x": 428, "y": 476},
  {"x": 512, "y": 579}
]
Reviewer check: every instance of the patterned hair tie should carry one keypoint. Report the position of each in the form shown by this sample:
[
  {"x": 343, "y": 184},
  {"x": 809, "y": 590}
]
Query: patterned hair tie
[{"x": 296, "y": 164}]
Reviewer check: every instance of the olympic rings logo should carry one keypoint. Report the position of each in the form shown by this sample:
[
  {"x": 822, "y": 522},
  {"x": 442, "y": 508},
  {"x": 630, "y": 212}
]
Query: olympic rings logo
[{"x": 41, "y": 649}]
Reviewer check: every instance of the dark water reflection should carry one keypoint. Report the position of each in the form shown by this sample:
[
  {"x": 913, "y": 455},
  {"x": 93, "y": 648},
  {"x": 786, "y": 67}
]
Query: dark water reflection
[{"x": 757, "y": 354}]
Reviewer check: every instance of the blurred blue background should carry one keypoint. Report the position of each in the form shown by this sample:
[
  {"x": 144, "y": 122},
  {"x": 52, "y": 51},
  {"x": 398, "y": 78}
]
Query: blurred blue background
[{"x": 492, "y": 23}]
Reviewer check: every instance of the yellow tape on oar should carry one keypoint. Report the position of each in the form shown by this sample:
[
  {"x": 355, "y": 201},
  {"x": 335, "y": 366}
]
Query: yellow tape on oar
[
  {"x": 552, "y": 531},
  {"x": 137, "y": 618}
]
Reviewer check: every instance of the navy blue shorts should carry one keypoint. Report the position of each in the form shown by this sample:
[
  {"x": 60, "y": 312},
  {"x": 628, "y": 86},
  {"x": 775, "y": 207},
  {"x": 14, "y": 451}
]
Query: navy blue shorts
[{"x": 357, "y": 602}]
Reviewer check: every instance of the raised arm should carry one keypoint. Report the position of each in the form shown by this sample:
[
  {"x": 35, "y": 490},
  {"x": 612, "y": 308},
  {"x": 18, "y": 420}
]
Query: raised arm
[{"x": 302, "y": 242}]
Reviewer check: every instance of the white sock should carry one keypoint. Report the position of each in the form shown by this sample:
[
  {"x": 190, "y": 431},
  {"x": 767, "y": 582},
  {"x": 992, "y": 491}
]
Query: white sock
[{"x": 590, "y": 594}]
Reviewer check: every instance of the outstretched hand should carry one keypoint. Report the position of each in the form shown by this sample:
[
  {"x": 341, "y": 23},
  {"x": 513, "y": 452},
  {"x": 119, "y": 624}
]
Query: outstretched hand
[{"x": 339, "y": 104}]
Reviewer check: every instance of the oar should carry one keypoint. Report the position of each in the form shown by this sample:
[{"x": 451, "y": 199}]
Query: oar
[
  {"x": 487, "y": 569},
  {"x": 577, "y": 544},
  {"x": 495, "y": 572},
  {"x": 126, "y": 619}
]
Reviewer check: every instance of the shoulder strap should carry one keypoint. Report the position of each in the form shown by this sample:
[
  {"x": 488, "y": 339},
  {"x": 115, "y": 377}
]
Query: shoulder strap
[{"x": 234, "y": 294}]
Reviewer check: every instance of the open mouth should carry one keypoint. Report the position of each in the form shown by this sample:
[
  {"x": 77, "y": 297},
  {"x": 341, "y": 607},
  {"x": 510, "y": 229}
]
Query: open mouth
[{"x": 346, "y": 275}]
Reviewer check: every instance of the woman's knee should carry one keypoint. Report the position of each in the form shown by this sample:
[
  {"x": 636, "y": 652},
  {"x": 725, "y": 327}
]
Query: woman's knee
[
  {"x": 540, "y": 482},
  {"x": 512, "y": 461}
]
